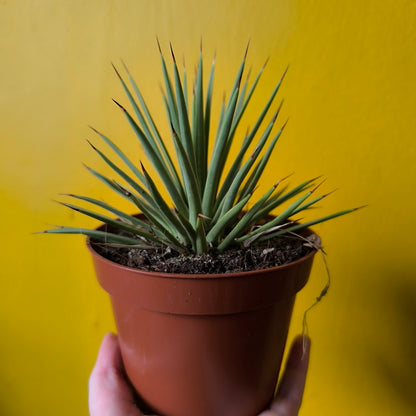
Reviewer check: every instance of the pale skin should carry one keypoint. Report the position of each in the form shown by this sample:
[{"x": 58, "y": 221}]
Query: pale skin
[{"x": 110, "y": 395}]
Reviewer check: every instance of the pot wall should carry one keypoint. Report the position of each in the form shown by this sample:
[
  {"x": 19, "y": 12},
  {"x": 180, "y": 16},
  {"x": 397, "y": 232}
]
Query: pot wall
[{"x": 207, "y": 345}]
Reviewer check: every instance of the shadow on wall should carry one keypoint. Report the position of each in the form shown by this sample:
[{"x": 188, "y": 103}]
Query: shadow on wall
[{"x": 397, "y": 369}]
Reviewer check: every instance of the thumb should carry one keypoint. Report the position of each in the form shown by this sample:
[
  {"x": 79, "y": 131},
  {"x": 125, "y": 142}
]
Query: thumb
[
  {"x": 109, "y": 392},
  {"x": 290, "y": 391}
]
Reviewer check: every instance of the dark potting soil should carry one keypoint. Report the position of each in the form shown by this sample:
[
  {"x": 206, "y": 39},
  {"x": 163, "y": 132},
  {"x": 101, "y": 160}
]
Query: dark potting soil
[{"x": 264, "y": 255}]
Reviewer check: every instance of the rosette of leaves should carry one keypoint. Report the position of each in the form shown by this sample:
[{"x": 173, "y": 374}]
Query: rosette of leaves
[{"x": 211, "y": 207}]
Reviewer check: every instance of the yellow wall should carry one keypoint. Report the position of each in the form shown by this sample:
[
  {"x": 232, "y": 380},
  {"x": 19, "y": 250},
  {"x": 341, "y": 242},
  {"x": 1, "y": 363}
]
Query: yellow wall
[{"x": 351, "y": 98}]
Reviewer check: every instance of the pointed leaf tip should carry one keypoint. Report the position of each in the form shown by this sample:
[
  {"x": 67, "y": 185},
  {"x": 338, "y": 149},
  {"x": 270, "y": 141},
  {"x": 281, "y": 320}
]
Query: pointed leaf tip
[
  {"x": 119, "y": 105},
  {"x": 204, "y": 216},
  {"x": 116, "y": 71},
  {"x": 248, "y": 73},
  {"x": 278, "y": 112},
  {"x": 329, "y": 193},
  {"x": 73, "y": 207},
  {"x": 286, "y": 177},
  {"x": 246, "y": 52},
  {"x": 91, "y": 144},
  {"x": 171, "y": 51},
  {"x": 284, "y": 124},
  {"x": 94, "y": 129},
  {"x": 315, "y": 178},
  {"x": 317, "y": 186},
  {"x": 284, "y": 74},
  {"x": 125, "y": 66},
  {"x": 158, "y": 44},
  {"x": 173, "y": 130}
]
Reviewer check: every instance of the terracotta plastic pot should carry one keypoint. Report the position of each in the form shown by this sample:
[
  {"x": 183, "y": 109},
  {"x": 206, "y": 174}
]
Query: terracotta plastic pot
[{"x": 203, "y": 345}]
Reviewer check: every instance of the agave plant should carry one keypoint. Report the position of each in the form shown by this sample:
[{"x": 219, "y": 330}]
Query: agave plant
[{"x": 211, "y": 207}]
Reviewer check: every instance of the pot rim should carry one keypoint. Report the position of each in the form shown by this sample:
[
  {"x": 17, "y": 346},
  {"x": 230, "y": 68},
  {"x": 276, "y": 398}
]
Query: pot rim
[{"x": 93, "y": 251}]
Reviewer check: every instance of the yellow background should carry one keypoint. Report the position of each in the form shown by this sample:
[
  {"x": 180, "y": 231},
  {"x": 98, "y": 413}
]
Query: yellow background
[{"x": 351, "y": 97}]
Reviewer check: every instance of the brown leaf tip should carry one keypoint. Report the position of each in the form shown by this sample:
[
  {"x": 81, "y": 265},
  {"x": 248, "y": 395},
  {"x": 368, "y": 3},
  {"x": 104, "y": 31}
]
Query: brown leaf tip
[
  {"x": 317, "y": 186},
  {"x": 115, "y": 69},
  {"x": 284, "y": 124},
  {"x": 173, "y": 55},
  {"x": 284, "y": 73},
  {"x": 94, "y": 129},
  {"x": 119, "y": 105},
  {"x": 125, "y": 66},
  {"x": 173, "y": 130},
  {"x": 91, "y": 144},
  {"x": 158, "y": 45}
]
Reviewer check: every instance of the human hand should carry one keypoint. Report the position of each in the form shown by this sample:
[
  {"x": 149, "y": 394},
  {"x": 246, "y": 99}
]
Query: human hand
[
  {"x": 110, "y": 394},
  {"x": 109, "y": 391},
  {"x": 290, "y": 391}
]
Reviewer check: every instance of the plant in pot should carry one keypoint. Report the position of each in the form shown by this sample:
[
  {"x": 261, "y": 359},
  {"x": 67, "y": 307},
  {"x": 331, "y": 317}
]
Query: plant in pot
[{"x": 202, "y": 282}]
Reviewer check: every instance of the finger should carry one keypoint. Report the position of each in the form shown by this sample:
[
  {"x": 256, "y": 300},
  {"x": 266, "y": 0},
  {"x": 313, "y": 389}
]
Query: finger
[
  {"x": 291, "y": 387},
  {"x": 109, "y": 392}
]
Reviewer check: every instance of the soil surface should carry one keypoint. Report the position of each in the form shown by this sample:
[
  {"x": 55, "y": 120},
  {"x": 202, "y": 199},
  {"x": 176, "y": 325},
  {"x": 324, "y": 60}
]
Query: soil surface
[{"x": 275, "y": 252}]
